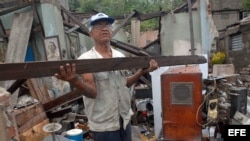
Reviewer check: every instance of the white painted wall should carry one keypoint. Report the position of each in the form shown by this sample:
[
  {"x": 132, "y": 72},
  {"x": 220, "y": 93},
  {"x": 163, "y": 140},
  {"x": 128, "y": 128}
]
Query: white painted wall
[{"x": 156, "y": 91}]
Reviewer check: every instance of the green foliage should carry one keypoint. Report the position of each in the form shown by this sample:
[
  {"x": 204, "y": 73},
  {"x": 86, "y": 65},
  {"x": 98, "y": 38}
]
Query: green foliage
[
  {"x": 73, "y": 4},
  {"x": 151, "y": 24},
  {"x": 87, "y": 6},
  {"x": 246, "y": 4},
  {"x": 125, "y": 7}
]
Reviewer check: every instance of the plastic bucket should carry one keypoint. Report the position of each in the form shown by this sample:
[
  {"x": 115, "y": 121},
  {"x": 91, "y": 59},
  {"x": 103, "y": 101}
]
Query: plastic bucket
[{"x": 75, "y": 134}]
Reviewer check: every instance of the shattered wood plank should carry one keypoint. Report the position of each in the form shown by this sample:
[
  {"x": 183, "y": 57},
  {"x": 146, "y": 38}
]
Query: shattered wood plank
[{"x": 10, "y": 71}]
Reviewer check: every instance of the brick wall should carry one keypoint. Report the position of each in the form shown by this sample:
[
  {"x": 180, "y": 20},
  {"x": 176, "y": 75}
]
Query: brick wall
[
  {"x": 225, "y": 12},
  {"x": 240, "y": 58},
  {"x": 222, "y": 4},
  {"x": 223, "y": 19}
]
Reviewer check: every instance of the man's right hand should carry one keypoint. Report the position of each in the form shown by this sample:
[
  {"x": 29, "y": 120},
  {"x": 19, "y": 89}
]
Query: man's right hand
[{"x": 67, "y": 73}]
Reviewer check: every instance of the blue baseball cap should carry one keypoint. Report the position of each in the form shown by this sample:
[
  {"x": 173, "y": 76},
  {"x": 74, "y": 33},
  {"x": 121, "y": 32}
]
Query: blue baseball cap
[{"x": 100, "y": 17}]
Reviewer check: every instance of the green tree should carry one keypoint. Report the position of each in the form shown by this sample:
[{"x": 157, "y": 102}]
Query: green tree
[
  {"x": 74, "y": 4},
  {"x": 246, "y": 4},
  {"x": 125, "y": 7}
]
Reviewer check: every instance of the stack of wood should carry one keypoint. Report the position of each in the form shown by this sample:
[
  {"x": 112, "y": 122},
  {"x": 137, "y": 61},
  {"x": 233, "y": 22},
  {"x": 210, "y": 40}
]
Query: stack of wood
[
  {"x": 23, "y": 124},
  {"x": 31, "y": 119},
  {"x": 28, "y": 117}
]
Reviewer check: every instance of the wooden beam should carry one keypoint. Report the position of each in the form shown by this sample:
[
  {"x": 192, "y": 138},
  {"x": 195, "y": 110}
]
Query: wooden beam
[
  {"x": 129, "y": 48},
  {"x": 72, "y": 29},
  {"x": 3, "y": 32},
  {"x": 37, "y": 18},
  {"x": 8, "y": 9},
  {"x": 151, "y": 43},
  {"x": 10, "y": 71},
  {"x": 59, "y": 112},
  {"x": 124, "y": 22},
  {"x": 72, "y": 17},
  {"x": 144, "y": 17},
  {"x": 121, "y": 45},
  {"x": 16, "y": 85},
  {"x": 75, "y": 95},
  {"x": 62, "y": 100}
]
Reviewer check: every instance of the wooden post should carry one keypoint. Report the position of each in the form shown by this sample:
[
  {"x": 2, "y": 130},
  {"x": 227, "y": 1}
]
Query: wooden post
[{"x": 135, "y": 30}]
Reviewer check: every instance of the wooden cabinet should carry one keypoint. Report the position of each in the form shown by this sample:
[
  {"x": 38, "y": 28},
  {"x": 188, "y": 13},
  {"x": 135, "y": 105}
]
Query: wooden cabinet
[{"x": 181, "y": 98}]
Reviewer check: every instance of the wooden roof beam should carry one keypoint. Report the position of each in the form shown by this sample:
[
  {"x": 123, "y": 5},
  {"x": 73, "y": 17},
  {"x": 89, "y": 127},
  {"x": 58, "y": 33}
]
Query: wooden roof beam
[
  {"x": 124, "y": 22},
  {"x": 74, "y": 19}
]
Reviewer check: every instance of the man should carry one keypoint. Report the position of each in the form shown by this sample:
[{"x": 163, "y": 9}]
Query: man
[{"x": 106, "y": 94}]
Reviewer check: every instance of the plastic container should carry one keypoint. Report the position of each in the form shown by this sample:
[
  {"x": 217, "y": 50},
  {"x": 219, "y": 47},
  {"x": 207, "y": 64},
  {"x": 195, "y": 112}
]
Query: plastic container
[{"x": 75, "y": 134}]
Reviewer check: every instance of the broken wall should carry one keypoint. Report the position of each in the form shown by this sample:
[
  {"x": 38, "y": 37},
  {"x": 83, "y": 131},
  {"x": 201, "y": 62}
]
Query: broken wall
[{"x": 175, "y": 34}]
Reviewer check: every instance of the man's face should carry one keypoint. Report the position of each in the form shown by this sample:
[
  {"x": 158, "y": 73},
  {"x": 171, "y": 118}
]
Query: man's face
[{"x": 101, "y": 31}]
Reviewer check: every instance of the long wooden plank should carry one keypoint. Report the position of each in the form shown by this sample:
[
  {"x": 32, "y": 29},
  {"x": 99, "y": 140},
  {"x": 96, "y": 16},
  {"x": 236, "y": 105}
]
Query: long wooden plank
[
  {"x": 10, "y": 71},
  {"x": 64, "y": 99}
]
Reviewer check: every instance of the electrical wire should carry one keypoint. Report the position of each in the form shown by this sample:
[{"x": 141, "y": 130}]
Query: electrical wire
[{"x": 197, "y": 113}]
